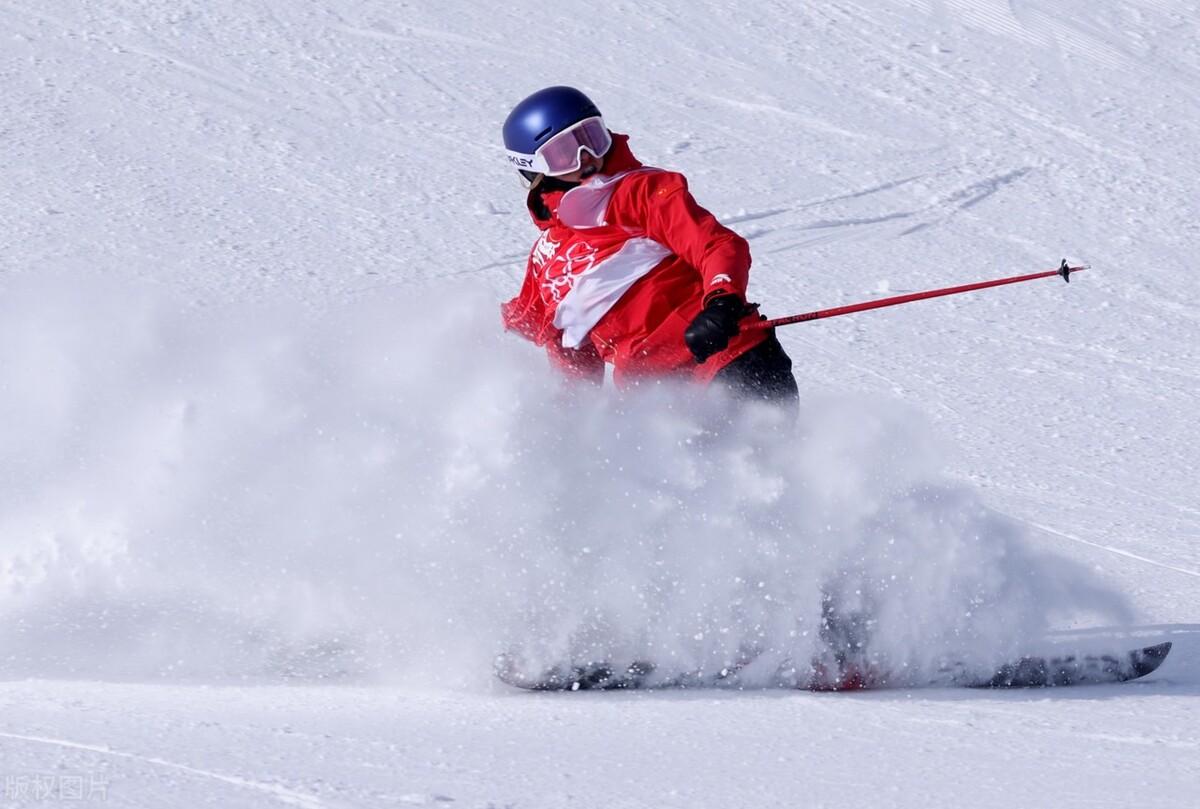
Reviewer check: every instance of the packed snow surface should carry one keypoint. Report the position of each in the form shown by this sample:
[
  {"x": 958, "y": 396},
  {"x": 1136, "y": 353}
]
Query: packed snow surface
[{"x": 276, "y": 488}]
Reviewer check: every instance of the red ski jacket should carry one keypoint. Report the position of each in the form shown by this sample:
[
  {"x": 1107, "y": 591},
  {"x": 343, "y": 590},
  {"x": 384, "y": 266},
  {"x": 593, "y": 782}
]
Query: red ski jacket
[{"x": 622, "y": 266}]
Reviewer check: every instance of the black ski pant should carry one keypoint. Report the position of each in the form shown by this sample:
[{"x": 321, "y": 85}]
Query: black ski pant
[{"x": 763, "y": 373}]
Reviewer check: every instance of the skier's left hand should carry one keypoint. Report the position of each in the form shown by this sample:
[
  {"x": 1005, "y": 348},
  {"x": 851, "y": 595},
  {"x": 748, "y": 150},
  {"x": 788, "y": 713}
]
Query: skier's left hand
[{"x": 710, "y": 331}]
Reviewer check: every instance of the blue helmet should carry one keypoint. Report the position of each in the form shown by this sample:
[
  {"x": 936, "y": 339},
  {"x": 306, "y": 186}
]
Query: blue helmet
[{"x": 539, "y": 118}]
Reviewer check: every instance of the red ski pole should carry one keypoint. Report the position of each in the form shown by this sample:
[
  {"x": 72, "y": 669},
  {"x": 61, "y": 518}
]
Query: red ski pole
[{"x": 1064, "y": 271}]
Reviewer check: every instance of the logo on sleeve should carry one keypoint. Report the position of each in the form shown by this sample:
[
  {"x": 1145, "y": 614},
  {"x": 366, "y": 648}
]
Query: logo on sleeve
[{"x": 720, "y": 278}]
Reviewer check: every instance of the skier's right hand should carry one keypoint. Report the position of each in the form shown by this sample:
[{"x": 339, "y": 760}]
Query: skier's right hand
[{"x": 717, "y": 322}]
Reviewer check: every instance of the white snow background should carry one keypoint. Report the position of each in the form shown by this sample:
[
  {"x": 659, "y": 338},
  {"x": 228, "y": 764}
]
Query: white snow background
[{"x": 276, "y": 488}]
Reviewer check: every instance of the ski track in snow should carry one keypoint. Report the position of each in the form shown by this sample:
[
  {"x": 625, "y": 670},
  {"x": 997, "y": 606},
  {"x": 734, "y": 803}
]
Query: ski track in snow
[
  {"x": 1111, "y": 549},
  {"x": 278, "y": 793},
  {"x": 267, "y": 163}
]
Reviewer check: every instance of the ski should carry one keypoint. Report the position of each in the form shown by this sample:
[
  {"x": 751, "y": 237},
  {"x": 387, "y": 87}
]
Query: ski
[
  {"x": 1050, "y": 672},
  {"x": 1035, "y": 671}
]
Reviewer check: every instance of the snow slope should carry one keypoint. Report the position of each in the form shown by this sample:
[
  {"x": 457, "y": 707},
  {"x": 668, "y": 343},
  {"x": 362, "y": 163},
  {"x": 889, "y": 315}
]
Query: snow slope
[{"x": 275, "y": 489}]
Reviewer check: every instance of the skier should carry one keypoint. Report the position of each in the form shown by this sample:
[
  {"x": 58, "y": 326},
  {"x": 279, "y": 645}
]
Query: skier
[{"x": 627, "y": 268}]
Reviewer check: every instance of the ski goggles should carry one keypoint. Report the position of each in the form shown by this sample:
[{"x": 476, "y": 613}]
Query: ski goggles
[{"x": 560, "y": 154}]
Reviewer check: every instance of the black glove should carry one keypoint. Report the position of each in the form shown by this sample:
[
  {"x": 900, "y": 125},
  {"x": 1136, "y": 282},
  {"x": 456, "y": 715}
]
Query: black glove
[{"x": 712, "y": 328}]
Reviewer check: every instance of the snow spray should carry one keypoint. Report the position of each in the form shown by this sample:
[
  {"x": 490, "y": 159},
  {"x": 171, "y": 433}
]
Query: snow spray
[{"x": 381, "y": 493}]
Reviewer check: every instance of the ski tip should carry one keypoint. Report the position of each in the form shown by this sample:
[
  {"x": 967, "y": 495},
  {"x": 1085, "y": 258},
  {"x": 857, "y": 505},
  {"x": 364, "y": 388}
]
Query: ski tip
[{"x": 1148, "y": 659}]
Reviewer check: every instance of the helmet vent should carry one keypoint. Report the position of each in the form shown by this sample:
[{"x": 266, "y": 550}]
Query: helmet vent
[{"x": 543, "y": 133}]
